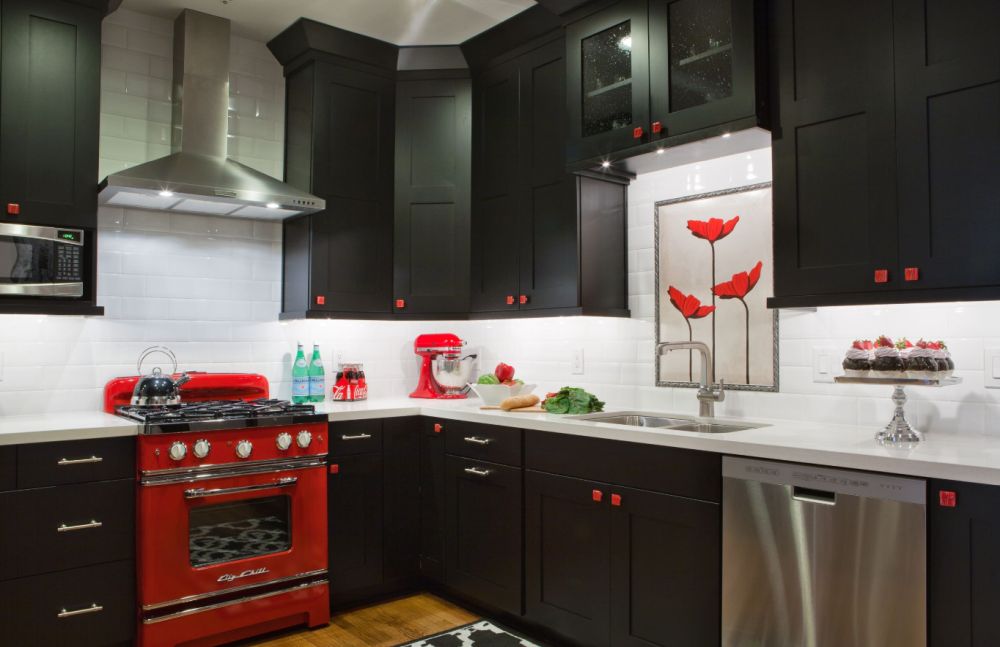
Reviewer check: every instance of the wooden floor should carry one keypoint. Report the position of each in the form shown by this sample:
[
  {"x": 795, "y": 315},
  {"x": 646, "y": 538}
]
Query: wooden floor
[{"x": 382, "y": 625}]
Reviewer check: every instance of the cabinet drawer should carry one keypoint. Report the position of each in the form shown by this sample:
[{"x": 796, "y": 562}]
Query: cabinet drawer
[
  {"x": 484, "y": 442},
  {"x": 67, "y": 527},
  {"x": 84, "y": 607},
  {"x": 355, "y": 437},
  {"x": 683, "y": 472},
  {"x": 8, "y": 468},
  {"x": 75, "y": 461}
]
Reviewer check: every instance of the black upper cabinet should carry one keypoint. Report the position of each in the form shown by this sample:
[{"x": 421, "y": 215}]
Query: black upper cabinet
[
  {"x": 432, "y": 196},
  {"x": 340, "y": 117},
  {"x": 50, "y": 67},
  {"x": 650, "y": 73}
]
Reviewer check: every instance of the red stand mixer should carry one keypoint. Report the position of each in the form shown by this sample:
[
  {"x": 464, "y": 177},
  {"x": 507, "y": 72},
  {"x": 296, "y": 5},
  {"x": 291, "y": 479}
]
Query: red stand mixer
[{"x": 444, "y": 371}]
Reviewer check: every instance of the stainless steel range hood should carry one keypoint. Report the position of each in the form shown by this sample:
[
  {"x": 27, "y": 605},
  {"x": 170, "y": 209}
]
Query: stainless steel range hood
[{"x": 197, "y": 177}]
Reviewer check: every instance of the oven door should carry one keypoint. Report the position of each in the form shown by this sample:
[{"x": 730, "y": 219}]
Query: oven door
[
  {"x": 215, "y": 533},
  {"x": 40, "y": 261}
]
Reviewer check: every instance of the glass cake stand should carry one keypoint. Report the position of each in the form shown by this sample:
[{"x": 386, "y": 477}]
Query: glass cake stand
[{"x": 898, "y": 431}]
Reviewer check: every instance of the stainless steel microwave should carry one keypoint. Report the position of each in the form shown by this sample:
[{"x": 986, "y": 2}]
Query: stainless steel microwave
[{"x": 40, "y": 261}]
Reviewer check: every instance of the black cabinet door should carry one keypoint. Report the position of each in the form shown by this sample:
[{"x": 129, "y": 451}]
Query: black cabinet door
[
  {"x": 496, "y": 189},
  {"x": 354, "y": 501},
  {"x": 432, "y": 196},
  {"x": 607, "y": 62},
  {"x": 964, "y": 566},
  {"x": 567, "y": 557},
  {"x": 665, "y": 570},
  {"x": 50, "y": 65},
  {"x": 948, "y": 142},
  {"x": 549, "y": 224},
  {"x": 484, "y": 532},
  {"x": 833, "y": 149},
  {"x": 432, "y": 501},
  {"x": 701, "y": 64},
  {"x": 401, "y": 492}
]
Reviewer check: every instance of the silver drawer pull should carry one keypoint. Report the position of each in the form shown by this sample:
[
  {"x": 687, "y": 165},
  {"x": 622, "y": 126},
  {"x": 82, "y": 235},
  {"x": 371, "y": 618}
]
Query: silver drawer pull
[
  {"x": 476, "y": 440},
  {"x": 200, "y": 493},
  {"x": 93, "y": 608},
  {"x": 83, "y": 526},
  {"x": 475, "y": 471},
  {"x": 79, "y": 461},
  {"x": 355, "y": 437}
]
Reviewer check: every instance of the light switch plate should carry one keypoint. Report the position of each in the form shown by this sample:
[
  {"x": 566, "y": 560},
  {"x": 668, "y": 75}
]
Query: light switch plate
[
  {"x": 991, "y": 366},
  {"x": 825, "y": 363},
  {"x": 577, "y": 362}
]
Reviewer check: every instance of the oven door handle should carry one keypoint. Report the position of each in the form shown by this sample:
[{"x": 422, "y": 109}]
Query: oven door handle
[{"x": 200, "y": 493}]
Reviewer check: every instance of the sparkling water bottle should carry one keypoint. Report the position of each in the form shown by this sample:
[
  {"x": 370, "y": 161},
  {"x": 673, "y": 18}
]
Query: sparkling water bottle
[
  {"x": 300, "y": 377},
  {"x": 317, "y": 377}
]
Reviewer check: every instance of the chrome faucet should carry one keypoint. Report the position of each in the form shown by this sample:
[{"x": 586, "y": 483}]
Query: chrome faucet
[{"x": 708, "y": 392}]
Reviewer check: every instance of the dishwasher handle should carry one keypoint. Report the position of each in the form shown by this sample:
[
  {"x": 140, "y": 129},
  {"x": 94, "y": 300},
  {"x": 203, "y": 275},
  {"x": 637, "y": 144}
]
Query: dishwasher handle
[{"x": 809, "y": 495}]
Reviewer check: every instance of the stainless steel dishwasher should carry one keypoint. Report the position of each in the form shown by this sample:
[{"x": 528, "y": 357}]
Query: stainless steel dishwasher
[{"x": 818, "y": 557}]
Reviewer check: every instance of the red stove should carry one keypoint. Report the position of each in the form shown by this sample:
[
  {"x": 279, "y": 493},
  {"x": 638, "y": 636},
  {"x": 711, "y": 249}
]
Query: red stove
[{"x": 232, "y": 532}]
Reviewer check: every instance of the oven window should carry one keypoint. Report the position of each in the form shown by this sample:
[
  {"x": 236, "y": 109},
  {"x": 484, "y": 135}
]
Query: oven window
[{"x": 239, "y": 529}]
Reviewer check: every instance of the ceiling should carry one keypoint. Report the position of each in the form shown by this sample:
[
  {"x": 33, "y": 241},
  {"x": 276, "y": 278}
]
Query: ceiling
[{"x": 403, "y": 22}]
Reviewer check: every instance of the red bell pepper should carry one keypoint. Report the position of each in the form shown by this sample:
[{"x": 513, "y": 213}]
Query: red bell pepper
[{"x": 504, "y": 372}]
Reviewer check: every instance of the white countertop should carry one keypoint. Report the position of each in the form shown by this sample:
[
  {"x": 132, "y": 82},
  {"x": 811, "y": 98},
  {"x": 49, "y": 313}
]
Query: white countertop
[{"x": 958, "y": 457}]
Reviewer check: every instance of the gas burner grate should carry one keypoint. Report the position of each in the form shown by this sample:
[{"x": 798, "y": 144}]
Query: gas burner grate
[{"x": 214, "y": 410}]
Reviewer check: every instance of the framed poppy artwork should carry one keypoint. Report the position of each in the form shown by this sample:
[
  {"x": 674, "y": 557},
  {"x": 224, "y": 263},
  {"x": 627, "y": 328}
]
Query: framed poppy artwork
[{"x": 713, "y": 276}]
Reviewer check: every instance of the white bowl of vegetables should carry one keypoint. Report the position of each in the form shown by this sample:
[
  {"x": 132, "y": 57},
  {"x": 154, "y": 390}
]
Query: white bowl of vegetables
[{"x": 493, "y": 388}]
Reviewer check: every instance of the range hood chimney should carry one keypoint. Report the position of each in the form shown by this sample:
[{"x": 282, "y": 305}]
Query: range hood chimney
[{"x": 197, "y": 177}]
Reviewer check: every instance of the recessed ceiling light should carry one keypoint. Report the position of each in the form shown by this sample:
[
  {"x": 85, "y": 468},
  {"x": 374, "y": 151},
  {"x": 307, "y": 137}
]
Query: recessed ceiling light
[
  {"x": 605, "y": 164},
  {"x": 166, "y": 194}
]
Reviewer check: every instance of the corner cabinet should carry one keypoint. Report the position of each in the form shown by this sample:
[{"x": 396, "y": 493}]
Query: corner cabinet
[
  {"x": 884, "y": 150},
  {"x": 645, "y": 74}
]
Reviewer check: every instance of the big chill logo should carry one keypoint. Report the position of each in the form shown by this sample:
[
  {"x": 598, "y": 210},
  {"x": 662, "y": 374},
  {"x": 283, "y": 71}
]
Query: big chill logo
[{"x": 250, "y": 572}]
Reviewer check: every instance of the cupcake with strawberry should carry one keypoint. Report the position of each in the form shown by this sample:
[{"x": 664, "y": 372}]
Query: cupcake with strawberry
[
  {"x": 946, "y": 365},
  {"x": 921, "y": 363},
  {"x": 887, "y": 362},
  {"x": 858, "y": 360}
]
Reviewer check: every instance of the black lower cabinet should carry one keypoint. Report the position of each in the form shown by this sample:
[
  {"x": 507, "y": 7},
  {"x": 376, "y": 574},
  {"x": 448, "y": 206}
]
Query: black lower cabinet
[
  {"x": 354, "y": 501},
  {"x": 401, "y": 485},
  {"x": 432, "y": 500},
  {"x": 964, "y": 565},
  {"x": 568, "y": 557},
  {"x": 483, "y": 520}
]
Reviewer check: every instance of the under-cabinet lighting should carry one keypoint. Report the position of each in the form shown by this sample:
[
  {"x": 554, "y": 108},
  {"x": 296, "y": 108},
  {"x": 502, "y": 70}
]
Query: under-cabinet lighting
[
  {"x": 659, "y": 151},
  {"x": 273, "y": 205},
  {"x": 166, "y": 194},
  {"x": 605, "y": 164},
  {"x": 726, "y": 135}
]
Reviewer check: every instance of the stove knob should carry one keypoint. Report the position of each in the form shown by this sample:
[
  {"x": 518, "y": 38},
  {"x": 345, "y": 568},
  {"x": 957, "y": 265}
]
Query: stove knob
[
  {"x": 201, "y": 448},
  {"x": 178, "y": 451},
  {"x": 303, "y": 438},
  {"x": 284, "y": 441},
  {"x": 244, "y": 449}
]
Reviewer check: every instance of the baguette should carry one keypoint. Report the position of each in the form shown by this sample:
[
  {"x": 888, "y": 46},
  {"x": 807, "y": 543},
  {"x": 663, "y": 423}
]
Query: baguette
[{"x": 519, "y": 402}]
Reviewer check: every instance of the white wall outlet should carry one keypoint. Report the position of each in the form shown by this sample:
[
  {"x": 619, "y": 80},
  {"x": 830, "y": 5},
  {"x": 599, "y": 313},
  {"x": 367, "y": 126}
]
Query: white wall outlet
[
  {"x": 577, "y": 368},
  {"x": 825, "y": 363},
  {"x": 991, "y": 365}
]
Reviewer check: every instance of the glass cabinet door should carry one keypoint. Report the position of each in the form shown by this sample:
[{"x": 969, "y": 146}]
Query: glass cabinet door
[
  {"x": 608, "y": 80},
  {"x": 702, "y": 63}
]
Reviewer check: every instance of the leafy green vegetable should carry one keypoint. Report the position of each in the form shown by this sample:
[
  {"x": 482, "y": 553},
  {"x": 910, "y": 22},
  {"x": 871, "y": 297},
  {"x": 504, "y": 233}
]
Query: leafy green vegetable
[
  {"x": 573, "y": 400},
  {"x": 489, "y": 378}
]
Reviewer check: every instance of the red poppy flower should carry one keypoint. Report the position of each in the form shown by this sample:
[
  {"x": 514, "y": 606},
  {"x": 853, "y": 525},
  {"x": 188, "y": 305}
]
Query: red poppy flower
[
  {"x": 688, "y": 304},
  {"x": 740, "y": 285},
  {"x": 712, "y": 229}
]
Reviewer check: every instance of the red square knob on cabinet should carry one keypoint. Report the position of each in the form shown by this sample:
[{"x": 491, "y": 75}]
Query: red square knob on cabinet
[
  {"x": 510, "y": 299},
  {"x": 881, "y": 276},
  {"x": 400, "y": 304},
  {"x": 13, "y": 208},
  {"x": 438, "y": 427},
  {"x": 947, "y": 499},
  {"x": 911, "y": 274},
  {"x": 657, "y": 127},
  {"x": 320, "y": 300},
  {"x": 637, "y": 132},
  {"x": 597, "y": 495},
  {"x": 616, "y": 499},
  {"x": 335, "y": 468},
  {"x": 522, "y": 299}
]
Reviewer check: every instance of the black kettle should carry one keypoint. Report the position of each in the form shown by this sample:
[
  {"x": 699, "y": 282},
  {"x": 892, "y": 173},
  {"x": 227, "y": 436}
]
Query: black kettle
[{"x": 157, "y": 388}]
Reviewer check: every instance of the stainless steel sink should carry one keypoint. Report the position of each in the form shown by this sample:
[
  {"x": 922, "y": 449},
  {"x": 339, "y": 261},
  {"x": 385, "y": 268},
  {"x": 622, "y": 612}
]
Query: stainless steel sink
[{"x": 657, "y": 421}]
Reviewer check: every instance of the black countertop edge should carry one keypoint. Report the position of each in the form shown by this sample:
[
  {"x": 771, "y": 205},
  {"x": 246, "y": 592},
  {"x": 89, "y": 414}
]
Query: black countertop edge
[{"x": 233, "y": 423}]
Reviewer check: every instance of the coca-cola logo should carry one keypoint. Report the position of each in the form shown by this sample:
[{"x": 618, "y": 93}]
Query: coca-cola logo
[{"x": 250, "y": 572}]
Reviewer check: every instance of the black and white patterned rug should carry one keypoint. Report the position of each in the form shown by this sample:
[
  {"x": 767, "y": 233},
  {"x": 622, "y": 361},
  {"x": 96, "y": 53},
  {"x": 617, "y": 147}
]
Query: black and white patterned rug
[{"x": 481, "y": 633}]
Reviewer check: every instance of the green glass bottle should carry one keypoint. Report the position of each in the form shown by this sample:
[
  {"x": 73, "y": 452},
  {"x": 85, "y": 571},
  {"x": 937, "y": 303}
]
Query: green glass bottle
[
  {"x": 317, "y": 377},
  {"x": 300, "y": 377}
]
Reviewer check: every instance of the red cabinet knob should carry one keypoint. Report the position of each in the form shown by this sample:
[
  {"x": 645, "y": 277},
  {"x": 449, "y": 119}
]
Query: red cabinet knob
[
  {"x": 400, "y": 304},
  {"x": 881, "y": 276},
  {"x": 510, "y": 299},
  {"x": 13, "y": 208},
  {"x": 616, "y": 499},
  {"x": 911, "y": 274},
  {"x": 320, "y": 300},
  {"x": 657, "y": 127},
  {"x": 335, "y": 468},
  {"x": 947, "y": 499},
  {"x": 522, "y": 299},
  {"x": 597, "y": 495},
  {"x": 438, "y": 427},
  {"x": 637, "y": 132}
]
